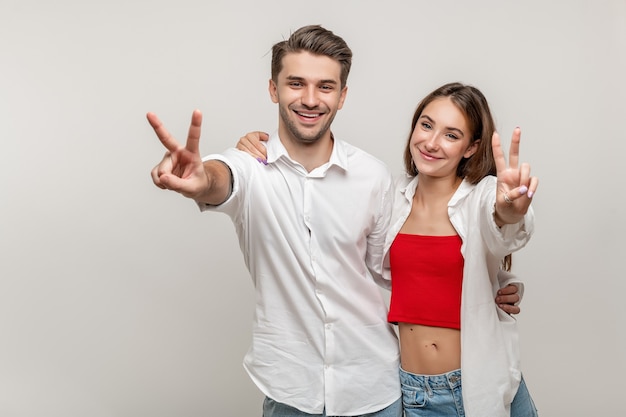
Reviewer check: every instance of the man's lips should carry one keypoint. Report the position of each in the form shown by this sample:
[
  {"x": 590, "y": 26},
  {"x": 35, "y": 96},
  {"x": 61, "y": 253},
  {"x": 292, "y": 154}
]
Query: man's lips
[{"x": 308, "y": 114}]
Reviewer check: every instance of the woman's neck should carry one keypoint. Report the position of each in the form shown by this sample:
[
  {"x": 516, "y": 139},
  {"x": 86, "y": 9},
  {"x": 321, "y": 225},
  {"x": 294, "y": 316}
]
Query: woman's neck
[{"x": 435, "y": 189}]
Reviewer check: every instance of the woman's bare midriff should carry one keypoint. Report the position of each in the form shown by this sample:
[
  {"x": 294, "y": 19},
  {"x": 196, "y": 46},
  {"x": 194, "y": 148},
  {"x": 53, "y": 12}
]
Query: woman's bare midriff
[{"x": 429, "y": 350}]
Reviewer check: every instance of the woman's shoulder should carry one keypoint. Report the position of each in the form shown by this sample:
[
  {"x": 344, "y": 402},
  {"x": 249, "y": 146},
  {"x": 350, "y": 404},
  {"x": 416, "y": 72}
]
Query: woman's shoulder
[{"x": 483, "y": 186}]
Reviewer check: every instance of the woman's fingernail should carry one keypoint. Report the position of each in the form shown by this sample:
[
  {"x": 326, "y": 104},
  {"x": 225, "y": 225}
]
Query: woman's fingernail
[
  {"x": 530, "y": 194},
  {"x": 522, "y": 190}
]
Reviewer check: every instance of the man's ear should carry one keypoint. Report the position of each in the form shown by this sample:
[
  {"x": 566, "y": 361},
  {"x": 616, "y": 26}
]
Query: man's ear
[
  {"x": 273, "y": 91},
  {"x": 342, "y": 97}
]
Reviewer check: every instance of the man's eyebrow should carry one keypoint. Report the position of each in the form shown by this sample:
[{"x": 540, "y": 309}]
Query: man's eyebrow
[{"x": 297, "y": 78}]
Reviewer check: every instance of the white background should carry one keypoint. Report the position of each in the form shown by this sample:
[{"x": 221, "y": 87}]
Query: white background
[{"x": 118, "y": 299}]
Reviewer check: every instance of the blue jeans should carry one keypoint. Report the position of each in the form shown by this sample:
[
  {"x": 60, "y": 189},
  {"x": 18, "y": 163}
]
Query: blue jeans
[
  {"x": 441, "y": 396},
  {"x": 272, "y": 408}
]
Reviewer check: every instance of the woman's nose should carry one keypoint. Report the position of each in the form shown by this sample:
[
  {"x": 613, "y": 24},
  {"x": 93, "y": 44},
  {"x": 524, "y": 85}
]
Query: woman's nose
[{"x": 433, "y": 141}]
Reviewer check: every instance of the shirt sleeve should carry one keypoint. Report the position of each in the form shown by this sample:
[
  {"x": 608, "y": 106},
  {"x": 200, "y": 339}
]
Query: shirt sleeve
[
  {"x": 240, "y": 170},
  {"x": 509, "y": 238},
  {"x": 376, "y": 239}
]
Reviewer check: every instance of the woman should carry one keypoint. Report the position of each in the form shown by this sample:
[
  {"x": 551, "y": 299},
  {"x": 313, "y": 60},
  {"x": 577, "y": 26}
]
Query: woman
[{"x": 455, "y": 224}]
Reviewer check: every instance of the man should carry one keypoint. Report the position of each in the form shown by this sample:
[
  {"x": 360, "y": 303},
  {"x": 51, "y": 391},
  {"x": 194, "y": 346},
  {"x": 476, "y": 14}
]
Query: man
[{"x": 311, "y": 226}]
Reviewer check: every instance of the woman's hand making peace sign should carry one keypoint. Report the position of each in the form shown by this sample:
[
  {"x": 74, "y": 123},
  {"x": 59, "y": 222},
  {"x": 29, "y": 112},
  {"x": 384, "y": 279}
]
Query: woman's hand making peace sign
[{"x": 515, "y": 185}]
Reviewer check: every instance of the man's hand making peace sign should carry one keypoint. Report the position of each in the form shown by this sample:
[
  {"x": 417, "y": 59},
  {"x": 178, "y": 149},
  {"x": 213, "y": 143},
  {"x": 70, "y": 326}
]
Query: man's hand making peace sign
[{"x": 182, "y": 169}]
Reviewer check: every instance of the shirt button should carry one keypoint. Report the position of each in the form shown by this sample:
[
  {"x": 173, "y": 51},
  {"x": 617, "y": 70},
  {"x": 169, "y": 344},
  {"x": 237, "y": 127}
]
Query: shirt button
[{"x": 328, "y": 326}]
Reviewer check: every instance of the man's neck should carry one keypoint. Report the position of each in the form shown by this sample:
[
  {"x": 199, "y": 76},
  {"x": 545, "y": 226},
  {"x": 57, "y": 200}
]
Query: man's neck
[{"x": 311, "y": 155}]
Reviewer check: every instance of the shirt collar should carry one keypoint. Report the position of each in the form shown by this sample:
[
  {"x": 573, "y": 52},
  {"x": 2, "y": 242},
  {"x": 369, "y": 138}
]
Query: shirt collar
[
  {"x": 464, "y": 189},
  {"x": 338, "y": 156},
  {"x": 409, "y": 190}
]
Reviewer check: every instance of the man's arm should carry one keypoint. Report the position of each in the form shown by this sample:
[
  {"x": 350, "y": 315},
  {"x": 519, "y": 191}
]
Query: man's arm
[
  {"x": 182, "y": 169},
  {"x": 508, "y": 299}
]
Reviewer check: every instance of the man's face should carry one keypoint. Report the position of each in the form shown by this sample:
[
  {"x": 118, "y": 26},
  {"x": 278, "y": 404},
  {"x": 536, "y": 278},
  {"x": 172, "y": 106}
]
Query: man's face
[{"x": 308, "y": 93}]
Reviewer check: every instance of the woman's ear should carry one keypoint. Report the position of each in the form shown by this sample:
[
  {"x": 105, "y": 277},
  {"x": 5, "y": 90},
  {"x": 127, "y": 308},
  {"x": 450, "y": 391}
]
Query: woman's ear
[{"x": 471, "y": 150}]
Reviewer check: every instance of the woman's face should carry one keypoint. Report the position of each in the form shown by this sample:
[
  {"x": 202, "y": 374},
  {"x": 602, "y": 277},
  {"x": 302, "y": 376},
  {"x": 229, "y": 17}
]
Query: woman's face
[{"x": 441, "y": 139}]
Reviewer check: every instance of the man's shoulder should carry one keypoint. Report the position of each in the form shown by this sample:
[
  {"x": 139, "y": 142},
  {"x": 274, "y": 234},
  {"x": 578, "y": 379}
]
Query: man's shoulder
[{"x": 359, "y": 157}]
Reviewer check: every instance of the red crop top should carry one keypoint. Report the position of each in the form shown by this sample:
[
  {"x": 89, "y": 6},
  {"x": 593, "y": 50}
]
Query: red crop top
[{"x": 426, "y": 280}]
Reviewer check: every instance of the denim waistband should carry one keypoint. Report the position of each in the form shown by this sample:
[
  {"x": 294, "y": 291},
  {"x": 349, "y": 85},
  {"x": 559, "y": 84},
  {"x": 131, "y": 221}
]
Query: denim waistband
[{"x": 449, "y": 380}]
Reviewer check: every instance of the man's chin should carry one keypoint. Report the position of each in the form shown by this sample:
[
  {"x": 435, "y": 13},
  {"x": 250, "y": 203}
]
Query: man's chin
[
  {"x": 309, "y": 137},
  {"x": 306, "y": 134}
]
